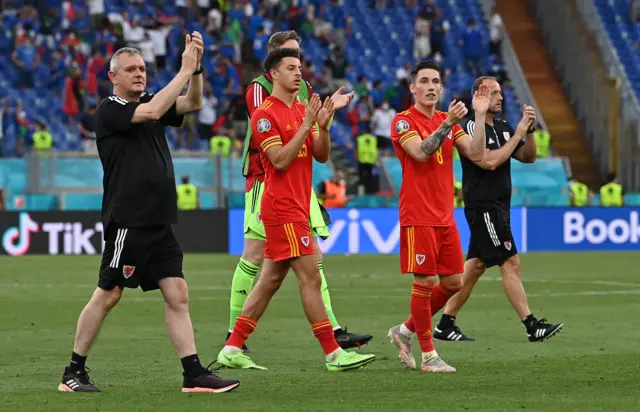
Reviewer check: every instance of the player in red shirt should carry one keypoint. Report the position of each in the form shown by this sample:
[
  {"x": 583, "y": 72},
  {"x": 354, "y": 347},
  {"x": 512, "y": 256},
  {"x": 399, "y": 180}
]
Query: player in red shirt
[
  {"x": 287, "y": 135},
  {"x": 249, "y": 263},
  {"x": 423, "y": 138}
]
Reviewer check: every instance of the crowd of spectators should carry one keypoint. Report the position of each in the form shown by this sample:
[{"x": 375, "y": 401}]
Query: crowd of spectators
[{"x": 65, "y": 47}]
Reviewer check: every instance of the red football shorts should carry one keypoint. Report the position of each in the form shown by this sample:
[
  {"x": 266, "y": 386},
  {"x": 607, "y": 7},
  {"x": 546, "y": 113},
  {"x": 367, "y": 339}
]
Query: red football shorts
[
  {"x": 427, "y": 250},
  {"x": 288, "y": 240}
]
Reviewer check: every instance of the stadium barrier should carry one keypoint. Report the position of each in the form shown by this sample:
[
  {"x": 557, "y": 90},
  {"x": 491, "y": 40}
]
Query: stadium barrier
[
  {"x": 534, "y": 230},
  {"x": 362, "y": 231},
  {"x": 353, "y": 231},
  {"x": 582, "y": 229},
  {"x": 80, "y": 233}
]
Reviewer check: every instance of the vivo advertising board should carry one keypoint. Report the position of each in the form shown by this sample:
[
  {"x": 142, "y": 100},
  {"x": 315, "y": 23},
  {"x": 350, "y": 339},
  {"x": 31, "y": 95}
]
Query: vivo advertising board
[
  {"x": 366, "y": 231},
  {"x": 583, "y": 229}
]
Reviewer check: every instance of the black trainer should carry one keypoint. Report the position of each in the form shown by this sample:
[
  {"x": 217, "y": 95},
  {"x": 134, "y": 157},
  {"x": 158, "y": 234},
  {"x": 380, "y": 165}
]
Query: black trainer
[
  {"x": 245, "y": 349},
  {"x": 208, "y": 382},
  {"x": 541, "y": 330},
  {"x": 348, "y": 340},
  {"x": 453, "y": 334},
  {"x": 77, "y": 381}
]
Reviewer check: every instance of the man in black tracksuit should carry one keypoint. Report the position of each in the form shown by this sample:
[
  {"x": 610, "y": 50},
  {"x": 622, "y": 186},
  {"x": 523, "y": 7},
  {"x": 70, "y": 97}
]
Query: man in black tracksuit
[{"x": 486, "y": 187}]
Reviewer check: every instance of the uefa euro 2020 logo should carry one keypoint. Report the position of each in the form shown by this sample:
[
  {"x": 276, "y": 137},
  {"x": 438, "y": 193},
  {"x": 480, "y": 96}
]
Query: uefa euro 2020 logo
[{"x": 17, "y": 240}]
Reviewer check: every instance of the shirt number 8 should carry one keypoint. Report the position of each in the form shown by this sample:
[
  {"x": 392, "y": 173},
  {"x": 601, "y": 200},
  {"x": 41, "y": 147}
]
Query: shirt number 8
[{"x": 439, "y": 157}]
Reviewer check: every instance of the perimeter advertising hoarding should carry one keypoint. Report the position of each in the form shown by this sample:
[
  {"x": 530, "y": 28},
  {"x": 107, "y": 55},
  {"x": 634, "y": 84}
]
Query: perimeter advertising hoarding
[
  {"x": 364, "y": 231},
  {"x": 80, "y": 233},
  {"x": 583, "y": 229}
]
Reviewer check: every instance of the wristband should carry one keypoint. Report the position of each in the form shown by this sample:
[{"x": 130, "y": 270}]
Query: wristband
[
  {"x": 199, "y": 71},
  {"x": 531, "y": 129}
]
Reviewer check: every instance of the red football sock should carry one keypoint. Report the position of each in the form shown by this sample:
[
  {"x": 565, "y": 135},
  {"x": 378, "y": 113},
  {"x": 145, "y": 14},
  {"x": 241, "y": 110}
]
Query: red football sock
[
  {"x": 409, "y": 324},
  {"x": 421, "y": 314},
  {"x": 441, "y": 294},
  {"x": 324, "y": 333},
  {"x": 243, "y": 328}
]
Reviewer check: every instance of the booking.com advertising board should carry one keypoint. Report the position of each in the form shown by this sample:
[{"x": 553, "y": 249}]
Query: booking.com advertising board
[{"x": 534, "y": 229}]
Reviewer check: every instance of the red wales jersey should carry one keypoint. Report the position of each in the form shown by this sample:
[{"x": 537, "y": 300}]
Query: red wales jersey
[
  {"x": 286, "y": 195},
  {"x": 253, "y": 98},
  {"x": 427, "y": 188}
]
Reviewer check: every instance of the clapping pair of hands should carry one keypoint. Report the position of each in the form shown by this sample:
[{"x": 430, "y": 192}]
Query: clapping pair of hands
[
  {"x": 319, "y": 112},
  {"x": 322, "y": 112},
  {"x": 527, "y": 121},
  {"x": 480, "y": 103},
  {"x": 194, "y": 46}
]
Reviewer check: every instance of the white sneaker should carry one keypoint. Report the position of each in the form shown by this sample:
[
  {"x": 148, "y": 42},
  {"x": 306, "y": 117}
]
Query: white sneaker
[
  {"x": 403, "y": 343},
  {"x": 435, "y": 364}
]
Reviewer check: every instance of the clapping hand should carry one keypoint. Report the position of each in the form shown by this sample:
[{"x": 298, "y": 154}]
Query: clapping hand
[
  {"x": 192, "y": 52},
  {"x": 481, "y": 99},
  {"x": 341, "y": 100},
  {"x": 325, "y": 113},
  {"x": 528, "y": 119},
  {"x": 312, "y": 111},
  {"x": 457, "y": 112}
]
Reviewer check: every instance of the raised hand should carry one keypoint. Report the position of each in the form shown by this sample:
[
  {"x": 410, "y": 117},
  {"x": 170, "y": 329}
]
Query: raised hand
[
  {"x": 341, "y": 100},
  {"x": 457, "y": 112},
  {"x": 325, "y": 113},
  {"x": 481, "y": 99},
  {"x": 312, "y": 110},
  {"x": 191, "y": 55},
  {"x": 530, "y": 113},
  {"x": 197, "y": 39},
  {"x": 528, "y": 120}
]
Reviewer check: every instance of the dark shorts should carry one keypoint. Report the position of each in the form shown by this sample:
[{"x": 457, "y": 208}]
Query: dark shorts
[
  {"x": 491, "y": 239},
  {"x": 139, "y": 257}
]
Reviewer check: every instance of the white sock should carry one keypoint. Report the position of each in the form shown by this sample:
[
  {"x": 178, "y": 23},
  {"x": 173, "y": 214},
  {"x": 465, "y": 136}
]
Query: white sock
[
  {"x": 428, "y": 355},
  {"x": 405, "y": 331},
  {"x": 231, "y": 349},
  {"x": 333, "y": 355}
]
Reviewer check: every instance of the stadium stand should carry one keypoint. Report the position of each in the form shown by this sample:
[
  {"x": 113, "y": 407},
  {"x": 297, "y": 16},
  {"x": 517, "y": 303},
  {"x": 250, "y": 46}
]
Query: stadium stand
[
  {"x": 623, "y": 27},
  {"x": 377, "y": 42}
]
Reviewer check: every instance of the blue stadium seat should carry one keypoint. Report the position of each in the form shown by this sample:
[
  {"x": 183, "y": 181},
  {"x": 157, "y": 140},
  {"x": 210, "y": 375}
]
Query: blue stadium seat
[{"x": 623, "y": 34}]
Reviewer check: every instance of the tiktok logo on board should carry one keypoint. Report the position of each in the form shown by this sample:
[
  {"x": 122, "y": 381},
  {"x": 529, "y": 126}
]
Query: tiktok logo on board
[{"x": 17, "y": 240}]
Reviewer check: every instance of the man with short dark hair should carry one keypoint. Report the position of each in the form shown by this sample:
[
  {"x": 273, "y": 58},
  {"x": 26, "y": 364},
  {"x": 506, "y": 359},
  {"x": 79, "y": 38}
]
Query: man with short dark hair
[
  {"x": 288, "y": 133},
  {"x": 424, "y": 138},
  {"x": 254, "y": 233},
  {"x": 138, "y": 208},
  {"x": 486, "y": 189}
]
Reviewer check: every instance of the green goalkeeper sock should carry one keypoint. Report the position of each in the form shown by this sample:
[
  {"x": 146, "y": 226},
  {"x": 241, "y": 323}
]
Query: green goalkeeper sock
[
  {"x": 326, "y": 298},
  {"x": 241, "y": 286}
]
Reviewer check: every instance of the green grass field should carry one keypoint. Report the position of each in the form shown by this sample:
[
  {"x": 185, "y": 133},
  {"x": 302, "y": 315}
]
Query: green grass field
[{"x": 593, "y": 365}]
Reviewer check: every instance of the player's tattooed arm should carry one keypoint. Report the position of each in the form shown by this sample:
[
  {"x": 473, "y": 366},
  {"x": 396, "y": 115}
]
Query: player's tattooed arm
[
  {"x": 431, "y": 144},
  {"x": 457, "y": 112}
]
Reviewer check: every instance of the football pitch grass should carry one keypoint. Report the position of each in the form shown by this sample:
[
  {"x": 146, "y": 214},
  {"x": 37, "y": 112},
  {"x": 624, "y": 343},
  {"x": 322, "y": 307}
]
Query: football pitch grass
[{"x": 592, "y": 365}]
